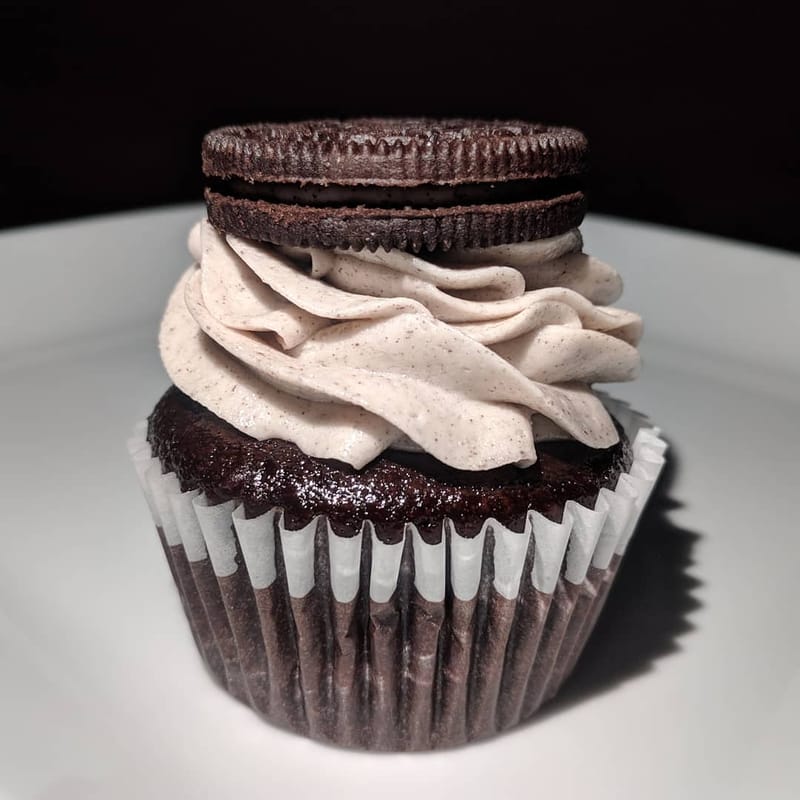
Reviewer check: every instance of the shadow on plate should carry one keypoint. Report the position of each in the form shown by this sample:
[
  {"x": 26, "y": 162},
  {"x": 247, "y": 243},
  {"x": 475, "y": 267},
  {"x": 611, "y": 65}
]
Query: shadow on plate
[{"x": 648, "y": 607}]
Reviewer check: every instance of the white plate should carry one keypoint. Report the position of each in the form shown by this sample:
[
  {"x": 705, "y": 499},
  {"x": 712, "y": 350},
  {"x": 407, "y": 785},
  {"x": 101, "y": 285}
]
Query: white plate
[{"x": 695, "y": 691}]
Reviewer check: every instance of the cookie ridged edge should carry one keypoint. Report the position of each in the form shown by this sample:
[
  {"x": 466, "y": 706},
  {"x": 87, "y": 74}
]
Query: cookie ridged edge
[
  {"x": 408, "y": 229},
  {"x": 383, "y": 152}
]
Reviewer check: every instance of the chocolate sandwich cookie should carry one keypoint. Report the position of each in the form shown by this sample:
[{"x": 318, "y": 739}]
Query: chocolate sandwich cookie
[
  {"x": 408, "y": 184},
  {"x": 209, "y": 454}
]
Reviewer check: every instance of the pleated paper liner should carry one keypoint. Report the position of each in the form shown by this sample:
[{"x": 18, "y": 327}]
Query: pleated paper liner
[{"x": 406, "y": 646}]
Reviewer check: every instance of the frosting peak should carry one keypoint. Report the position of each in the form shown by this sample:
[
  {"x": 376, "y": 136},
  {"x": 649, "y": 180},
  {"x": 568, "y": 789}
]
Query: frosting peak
[{"x": 348, "y": 353}]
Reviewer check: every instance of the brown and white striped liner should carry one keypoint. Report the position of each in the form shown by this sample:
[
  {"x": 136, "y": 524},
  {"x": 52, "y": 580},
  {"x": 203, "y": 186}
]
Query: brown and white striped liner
[{"x": 409, "y": 646}]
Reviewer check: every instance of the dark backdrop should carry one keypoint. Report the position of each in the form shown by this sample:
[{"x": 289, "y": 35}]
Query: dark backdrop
[{"x": 690, "y": 107}]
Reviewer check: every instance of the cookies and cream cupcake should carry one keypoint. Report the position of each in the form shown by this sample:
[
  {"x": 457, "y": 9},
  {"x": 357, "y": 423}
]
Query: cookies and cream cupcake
[{"x": 391, "y": 500}]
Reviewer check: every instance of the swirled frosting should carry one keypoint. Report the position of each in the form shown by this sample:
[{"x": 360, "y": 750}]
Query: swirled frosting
[{"x": 470, "y": 357}]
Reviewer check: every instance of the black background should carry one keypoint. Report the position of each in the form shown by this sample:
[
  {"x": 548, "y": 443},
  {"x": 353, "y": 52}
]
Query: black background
[{"x": 690, "y": 107}]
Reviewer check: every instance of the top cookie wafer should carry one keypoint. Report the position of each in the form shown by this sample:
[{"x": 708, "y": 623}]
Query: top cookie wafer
[{"x": 407, "y": 184}]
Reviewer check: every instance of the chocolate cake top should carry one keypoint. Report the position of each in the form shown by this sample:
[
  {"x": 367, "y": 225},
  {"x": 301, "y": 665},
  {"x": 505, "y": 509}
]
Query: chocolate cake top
[{"x": 397, "y": 487}]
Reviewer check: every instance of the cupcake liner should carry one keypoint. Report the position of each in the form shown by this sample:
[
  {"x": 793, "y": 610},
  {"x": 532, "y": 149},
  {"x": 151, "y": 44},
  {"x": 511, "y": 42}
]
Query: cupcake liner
[{"x": 405, "y": 646}]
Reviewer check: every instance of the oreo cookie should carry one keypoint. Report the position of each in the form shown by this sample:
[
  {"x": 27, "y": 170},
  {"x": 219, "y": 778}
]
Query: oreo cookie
[{"x": 413, "y": 184}]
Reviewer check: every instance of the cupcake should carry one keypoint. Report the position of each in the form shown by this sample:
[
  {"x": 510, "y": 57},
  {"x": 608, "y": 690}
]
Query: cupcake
[{"x": 392, "y": 503}]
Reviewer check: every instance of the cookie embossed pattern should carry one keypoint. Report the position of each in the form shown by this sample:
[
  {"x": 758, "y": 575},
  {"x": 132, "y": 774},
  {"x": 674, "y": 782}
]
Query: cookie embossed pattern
[
  {"x": 395, "y": 184},
  {"x": 390, "y": 499}
]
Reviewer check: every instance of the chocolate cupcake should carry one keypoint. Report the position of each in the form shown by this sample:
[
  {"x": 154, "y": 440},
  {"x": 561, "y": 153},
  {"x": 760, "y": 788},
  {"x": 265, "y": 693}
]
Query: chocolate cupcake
[{"x": 391, "y": 501}]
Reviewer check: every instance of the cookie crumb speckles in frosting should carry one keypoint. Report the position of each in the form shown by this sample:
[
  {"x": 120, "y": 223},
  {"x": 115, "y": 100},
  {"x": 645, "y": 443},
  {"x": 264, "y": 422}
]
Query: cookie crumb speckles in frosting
[{"x": 349, "y": 353}]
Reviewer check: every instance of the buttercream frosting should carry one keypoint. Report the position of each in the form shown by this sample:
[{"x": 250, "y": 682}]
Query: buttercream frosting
[{"x": 470, "y": 356}]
